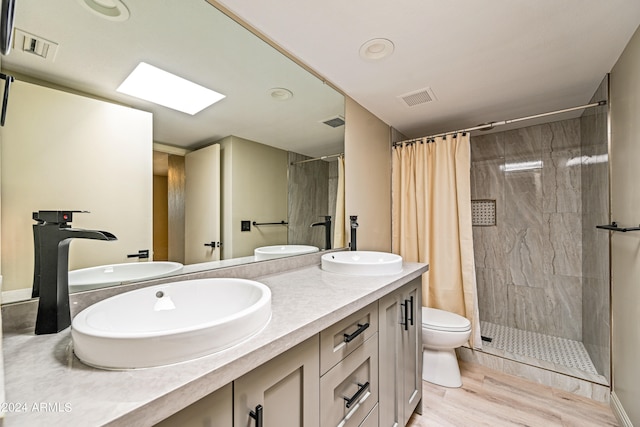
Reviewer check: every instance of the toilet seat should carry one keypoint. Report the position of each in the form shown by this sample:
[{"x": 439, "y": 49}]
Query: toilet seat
[{"x": 440, "y": 320}]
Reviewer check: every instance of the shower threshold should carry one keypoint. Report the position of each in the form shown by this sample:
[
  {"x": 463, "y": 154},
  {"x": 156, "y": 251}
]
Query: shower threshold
[{"x": 556, "y": 354}]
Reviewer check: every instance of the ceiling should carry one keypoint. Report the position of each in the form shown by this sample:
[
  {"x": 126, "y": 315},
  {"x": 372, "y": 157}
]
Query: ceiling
[
  {"x": 193, "y": 40},
  {"x": 484, "y": 60}
]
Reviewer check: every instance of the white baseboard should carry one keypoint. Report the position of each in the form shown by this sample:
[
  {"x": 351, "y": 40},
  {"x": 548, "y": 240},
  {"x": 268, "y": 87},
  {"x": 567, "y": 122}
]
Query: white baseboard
[{"x": 619, "y": 411}]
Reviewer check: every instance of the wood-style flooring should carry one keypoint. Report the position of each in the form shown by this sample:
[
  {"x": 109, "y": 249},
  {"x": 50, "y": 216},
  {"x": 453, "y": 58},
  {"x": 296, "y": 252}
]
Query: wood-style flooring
[{"x": 491, "y": 398}]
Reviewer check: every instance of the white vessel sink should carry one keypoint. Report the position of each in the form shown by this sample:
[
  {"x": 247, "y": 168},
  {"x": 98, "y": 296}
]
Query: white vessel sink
[
  {"x": 170, "y": 323},
  {"x": 106, "y": 275},
  {"x": 278, "y": 251},
  {"x": 362, "y": 263}
]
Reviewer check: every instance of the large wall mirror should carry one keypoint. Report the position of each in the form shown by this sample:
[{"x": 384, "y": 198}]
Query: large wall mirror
[{"x": 267, "y": 154}]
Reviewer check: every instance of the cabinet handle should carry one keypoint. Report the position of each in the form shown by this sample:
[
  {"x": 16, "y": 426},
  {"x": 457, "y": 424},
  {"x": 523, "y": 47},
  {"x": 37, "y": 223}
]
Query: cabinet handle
[
  {"x": 257, "y": 415},
  {"x": 349, "y": 401},
  {"x": 405, "y": 315},
  {"x": 411, "y": 309},
  {"x": 361, "y": 329}
]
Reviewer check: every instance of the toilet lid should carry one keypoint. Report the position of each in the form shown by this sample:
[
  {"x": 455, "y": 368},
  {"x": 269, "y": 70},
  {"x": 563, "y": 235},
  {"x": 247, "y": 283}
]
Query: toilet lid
[{"x": 441, "y": 320}]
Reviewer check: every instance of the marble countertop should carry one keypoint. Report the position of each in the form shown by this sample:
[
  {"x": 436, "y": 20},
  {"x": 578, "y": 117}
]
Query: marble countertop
[{"x": 46, "y": 384}]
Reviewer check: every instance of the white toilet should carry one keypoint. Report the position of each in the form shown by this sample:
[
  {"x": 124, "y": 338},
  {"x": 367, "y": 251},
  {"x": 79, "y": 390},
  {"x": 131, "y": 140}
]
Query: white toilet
[{"x": 442, "y": 333}]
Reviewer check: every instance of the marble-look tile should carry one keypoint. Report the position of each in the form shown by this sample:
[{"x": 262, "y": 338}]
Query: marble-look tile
[
  {"x": 562, "y": 246},
  {"x": 492, "y": 295},
  {"x": 595, "y": 181},
  {"x": 523, "y": 197},
  {"x": 487, "y": 180},
  {"x": 525, "y": 252},
  {"x": 560, "y": 135},
  {"x": 561, "y": 180},
  {"x": 308, "y": 200},
  {"x": 485, "y": 147},
  {"x": 595, "y": 247},
  {"x": 596, "y": 323},
  {"x": 490, "y": 247},
  {"x": 333, "y": 188},
  {"x": 564, "y": 299},
  {"x": 523, "y": 141},
  {"x": 528, "y": 308}
]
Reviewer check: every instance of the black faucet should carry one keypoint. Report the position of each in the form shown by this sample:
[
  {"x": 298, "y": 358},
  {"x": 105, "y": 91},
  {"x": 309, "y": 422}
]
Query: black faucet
[
  {"x": 327, "y": 230},
  {"x": 354, "y": 226},
  {"x": 52, "y": 235}
]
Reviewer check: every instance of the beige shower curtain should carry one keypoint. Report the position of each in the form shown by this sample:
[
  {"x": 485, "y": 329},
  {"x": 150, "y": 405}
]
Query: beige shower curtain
[
  {"x": 432, "y": 221},
  {"x": 339, "y": 233}
]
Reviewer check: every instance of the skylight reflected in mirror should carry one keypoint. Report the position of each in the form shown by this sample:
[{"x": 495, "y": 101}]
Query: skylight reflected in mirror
[{"x": 163, "y": 88}]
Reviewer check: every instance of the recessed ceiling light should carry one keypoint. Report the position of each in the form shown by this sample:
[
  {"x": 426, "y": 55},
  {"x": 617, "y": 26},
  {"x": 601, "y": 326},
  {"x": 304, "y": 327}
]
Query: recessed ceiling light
[
  {"x": 113, "y": 10},
  {"x": 161, "y": 87},
  {"x": 280, "y": 94},
  {"x": 376, "y": 49}
]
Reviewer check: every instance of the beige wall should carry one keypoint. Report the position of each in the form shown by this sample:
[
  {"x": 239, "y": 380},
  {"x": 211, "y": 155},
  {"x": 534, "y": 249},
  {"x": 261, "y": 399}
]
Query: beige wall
[
  {"x": 368, "y": 177},
  {"x": 254, "y": 188},
  {"x": 62, "y": 151},
  {"x": 625, "y": 247}
]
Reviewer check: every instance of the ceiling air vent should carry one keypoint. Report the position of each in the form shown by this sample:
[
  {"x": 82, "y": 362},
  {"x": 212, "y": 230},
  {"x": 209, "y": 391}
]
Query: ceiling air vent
[
  {"x": 34, "y": 45},
  {"x": 421, "y": 96},
  {"x": 334, "y": 122}
]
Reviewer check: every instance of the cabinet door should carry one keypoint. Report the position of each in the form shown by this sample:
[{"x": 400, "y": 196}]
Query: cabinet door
[
  {"x": 212, "y": 410},
  {"x": 411, "y": 349},
  {"x": 400, "y": 354},
  {"x": 286, "y": 388},
  {"x": 389, "y": 360}
]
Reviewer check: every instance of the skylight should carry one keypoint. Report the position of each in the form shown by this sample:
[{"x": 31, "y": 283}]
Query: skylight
[{"x": 161, "y": 87}]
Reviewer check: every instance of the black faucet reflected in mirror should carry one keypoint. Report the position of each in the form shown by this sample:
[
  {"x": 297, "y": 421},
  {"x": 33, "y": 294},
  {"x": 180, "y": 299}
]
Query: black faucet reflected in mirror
[
  {"x": 52, "y": 235},
  {"x": 327, "y": 230},
  {"x": 354, "y": 226}
]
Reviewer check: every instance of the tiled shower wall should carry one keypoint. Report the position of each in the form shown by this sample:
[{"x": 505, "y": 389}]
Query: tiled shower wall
[
  {"x": 312, "y": 188},
  {"x": 529, "y": 265},
  {"x": 595, "y": 252}
]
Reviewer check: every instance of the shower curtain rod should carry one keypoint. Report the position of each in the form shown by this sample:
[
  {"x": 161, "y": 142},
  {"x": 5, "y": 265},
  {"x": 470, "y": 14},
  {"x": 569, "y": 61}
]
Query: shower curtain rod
[
  {"x": 317, "y": 158},
  {"x": 491, "y": 125}
]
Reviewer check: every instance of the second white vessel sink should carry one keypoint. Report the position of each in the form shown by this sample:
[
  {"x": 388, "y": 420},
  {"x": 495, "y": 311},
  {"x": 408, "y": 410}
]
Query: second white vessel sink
[
  {"x": 113, "y": 274},
  {"x": 170, "y": 323},
  {"x": 279, "y": 251},
  {"x": 362, "y": 263}
]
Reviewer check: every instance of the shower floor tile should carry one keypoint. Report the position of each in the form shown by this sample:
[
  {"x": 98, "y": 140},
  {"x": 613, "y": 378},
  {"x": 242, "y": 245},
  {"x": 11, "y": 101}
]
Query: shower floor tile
[{"x": 559, "y": 351}]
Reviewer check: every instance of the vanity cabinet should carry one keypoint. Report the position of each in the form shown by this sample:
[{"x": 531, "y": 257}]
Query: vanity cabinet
[
  {"x": 211, "y": 410},
  {"x": 400, "y": 331},
  {"x": 282, "y": 392},
  {"x": 363, "y": 371}
]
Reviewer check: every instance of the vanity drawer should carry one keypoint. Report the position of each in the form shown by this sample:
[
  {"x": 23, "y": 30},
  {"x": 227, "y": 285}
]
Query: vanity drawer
[
  {"x": 349, "y": 390},
  {"x": 340, "y": 339},
  {"x": 372, "y": 418}
]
